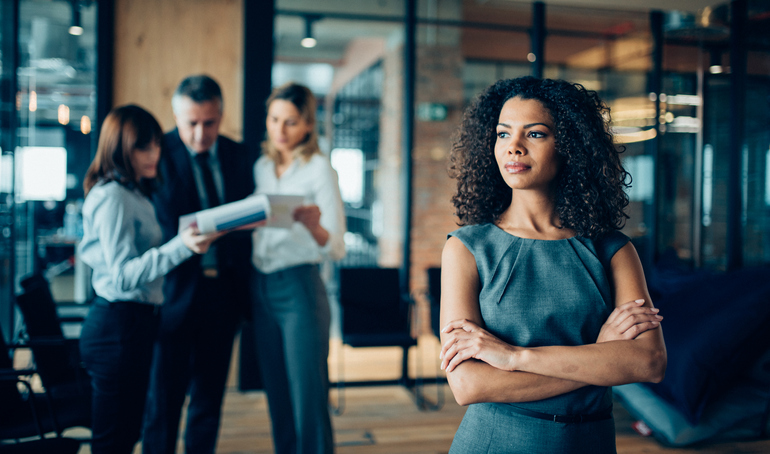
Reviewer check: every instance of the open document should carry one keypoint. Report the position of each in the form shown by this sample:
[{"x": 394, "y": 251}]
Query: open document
[{"x": 276, "y": 210}]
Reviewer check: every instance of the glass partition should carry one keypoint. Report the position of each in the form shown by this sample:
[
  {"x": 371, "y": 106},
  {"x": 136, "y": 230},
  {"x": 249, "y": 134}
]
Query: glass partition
[
  {"x": 8, "y": 40},
  {"x": 56, "y": 105},
  {"x": 355, "y": 68},
  {"x": 755, "y": 178},
  {"x": 604, "y": 50},
  {"x": 680, "y": 127}
]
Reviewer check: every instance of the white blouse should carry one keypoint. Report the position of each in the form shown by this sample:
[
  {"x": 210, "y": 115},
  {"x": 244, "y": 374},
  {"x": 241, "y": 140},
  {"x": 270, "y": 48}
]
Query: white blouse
[{"x": 280, "y": 248}]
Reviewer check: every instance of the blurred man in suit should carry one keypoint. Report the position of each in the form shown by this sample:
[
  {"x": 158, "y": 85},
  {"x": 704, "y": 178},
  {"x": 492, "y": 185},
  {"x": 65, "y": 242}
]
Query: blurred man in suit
[{"x": 207, "y": 296}]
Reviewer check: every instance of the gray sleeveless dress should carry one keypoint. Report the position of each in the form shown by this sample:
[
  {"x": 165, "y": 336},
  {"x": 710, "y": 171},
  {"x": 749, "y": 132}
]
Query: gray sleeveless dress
[{"x": 539, "y": 293}]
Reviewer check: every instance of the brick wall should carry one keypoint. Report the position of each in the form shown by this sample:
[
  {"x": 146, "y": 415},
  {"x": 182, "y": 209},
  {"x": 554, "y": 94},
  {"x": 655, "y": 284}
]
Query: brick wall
[{"x": 439, "y": 80}]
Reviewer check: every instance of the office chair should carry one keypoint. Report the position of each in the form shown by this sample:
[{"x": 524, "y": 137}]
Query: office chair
[
  {"x": 57, "y": 359},
  {"x": 27, "y": 416},
  {"x": 434, "y": 296},
  {"x": 374, "y": 313},
  {"x": 434, "y": 299}
]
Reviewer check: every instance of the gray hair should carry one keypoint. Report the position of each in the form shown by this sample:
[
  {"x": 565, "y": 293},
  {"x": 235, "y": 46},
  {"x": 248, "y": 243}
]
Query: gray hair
[{"x": 199, "y": 88}]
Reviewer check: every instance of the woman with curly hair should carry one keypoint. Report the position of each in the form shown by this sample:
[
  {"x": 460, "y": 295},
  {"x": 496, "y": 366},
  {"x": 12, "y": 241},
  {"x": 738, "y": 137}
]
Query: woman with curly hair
[{"x": 544, "y": 302}]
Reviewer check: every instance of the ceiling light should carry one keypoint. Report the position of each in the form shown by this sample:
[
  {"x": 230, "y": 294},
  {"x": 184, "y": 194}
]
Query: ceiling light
[
  {"x": 309, "y": 41},
  {"x": 76, "y": 28},
  {"x": 715, "y": 67}
]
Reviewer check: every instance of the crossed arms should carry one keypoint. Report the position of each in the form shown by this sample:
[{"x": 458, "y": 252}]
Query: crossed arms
[{"x": 483, "y": 368}]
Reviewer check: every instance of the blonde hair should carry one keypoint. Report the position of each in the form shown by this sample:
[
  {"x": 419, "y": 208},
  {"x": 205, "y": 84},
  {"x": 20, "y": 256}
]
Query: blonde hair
[{"x": 305, "y": 102}]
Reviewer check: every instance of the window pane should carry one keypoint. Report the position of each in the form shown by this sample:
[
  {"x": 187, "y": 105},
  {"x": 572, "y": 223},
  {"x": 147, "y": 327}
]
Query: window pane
[
  {"x": 756, "y": 173},
  {"x": 355, "y": 70},
  {"x": 57, "y": 105},
  {"x": 7, "y": 145}
]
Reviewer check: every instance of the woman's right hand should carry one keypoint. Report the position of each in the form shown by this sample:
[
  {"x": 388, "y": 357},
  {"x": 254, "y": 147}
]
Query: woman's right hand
[
  {"x": 464, "y": 340},
  {"x": 197, "y": 242},
  {"x": 628, "y": 321}
]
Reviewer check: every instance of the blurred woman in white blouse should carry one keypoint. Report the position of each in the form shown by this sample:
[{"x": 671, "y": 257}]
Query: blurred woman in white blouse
[{"x": 291, "y": 310}]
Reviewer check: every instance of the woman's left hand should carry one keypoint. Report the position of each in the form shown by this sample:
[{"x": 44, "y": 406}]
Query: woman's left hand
[
  {"x": 465, "y": 340},
  {"x": 309, "y": 215}
]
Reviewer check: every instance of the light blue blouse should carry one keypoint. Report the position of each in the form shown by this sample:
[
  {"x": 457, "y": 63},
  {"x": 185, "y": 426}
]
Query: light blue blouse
[{"x": 121, "y": 243}]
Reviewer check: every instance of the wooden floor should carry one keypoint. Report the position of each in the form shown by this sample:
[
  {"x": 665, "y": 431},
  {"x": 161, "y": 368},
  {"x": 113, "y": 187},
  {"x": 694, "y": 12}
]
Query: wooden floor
[{"x": 386, "y": 419}]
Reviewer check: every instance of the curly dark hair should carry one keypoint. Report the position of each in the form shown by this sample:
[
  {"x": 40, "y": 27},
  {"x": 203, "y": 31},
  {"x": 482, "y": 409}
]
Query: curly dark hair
[{"x": 590, "y": 197}]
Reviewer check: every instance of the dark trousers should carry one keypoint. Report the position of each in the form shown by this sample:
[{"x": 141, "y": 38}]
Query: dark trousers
[
  {"x": 291, "y": 321},
  {"x": 116, "y": 349},
  {"x": 193, "y": 358}
]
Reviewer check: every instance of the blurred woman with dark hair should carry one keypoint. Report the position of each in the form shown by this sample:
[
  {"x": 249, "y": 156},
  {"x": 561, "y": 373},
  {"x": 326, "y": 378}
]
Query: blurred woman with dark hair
[{"x": 121, "y": 243}]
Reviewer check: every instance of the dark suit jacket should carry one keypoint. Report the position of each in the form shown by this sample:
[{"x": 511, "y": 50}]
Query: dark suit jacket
[{"x": 177, "y": 195}]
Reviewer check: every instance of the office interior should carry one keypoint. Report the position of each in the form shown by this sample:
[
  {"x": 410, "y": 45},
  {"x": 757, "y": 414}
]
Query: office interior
[{"x": 687, "y": 81}]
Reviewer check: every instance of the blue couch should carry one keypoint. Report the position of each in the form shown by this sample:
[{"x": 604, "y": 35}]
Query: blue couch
[{"x": 717, "y": 332}]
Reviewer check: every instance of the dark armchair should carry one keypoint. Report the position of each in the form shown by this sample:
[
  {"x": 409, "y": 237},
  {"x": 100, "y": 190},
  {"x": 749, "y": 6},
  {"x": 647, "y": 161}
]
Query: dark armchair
[
  {"x": 57, "y": 359},
  {"x": 28, "y": 417},
  {"x": 374, "y": 313}
]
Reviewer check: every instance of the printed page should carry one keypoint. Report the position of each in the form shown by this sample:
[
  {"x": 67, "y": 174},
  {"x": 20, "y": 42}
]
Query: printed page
[
  {"x": 187, "y": 220},
  {"x": 282, "y": 209},
  {"x": 229, "y": 216}
]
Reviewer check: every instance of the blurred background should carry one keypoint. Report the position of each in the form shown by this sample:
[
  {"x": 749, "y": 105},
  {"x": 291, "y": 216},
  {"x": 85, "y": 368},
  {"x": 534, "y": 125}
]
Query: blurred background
[{"x": 688, "y": 82}]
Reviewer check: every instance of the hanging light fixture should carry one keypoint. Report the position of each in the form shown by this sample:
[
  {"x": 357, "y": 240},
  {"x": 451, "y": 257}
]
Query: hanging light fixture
[
  {"x": 309, "y": 41},
  {"x": 715, "y": 66},
  {"x": 76, "y": 28}
]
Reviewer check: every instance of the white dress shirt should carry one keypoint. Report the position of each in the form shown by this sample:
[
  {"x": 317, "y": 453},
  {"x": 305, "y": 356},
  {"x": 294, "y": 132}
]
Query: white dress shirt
[
  {"x": 280, "y": 248},
  {"x": 122, "y": 244}
]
